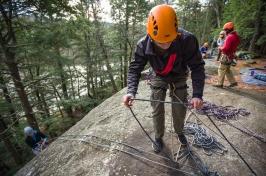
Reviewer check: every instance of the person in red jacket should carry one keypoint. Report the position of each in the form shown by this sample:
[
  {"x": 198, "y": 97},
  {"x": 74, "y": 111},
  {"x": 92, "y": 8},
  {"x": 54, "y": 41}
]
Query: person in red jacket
[{"x": 228, "y": 55}]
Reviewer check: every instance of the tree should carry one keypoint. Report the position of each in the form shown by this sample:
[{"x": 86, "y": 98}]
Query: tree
[
  {"x": 8, "y": 99},
  {"x": 127, "y": 14},
  {"x": 8, "y": 40},
  {"x": 251, "y": 27},
  {"x": 101, "y": 43},
  {"x": 12, "y": 17},
  {"x": 5, "y": 137}
]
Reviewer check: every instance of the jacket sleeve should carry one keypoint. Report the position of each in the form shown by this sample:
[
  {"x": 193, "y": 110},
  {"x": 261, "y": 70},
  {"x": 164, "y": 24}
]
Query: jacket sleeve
[
  {"x": 196, "y": 64},
  {"x": 135, "y": 68}
]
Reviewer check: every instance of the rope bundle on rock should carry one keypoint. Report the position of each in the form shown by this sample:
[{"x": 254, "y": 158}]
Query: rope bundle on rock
[
  {"x": 226, "y": 113},
  {"x": 202, "y": 139},
  {"x": 222, "y": 112}
]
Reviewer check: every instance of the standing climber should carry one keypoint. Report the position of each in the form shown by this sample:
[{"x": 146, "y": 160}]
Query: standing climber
[
  {"x": 170, "y": 52},
  {"x": 228, "y": 55}
]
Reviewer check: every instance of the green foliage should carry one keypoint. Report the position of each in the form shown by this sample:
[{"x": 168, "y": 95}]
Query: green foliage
[
  {"x": 244, "y": 14},
  {"x": 262, "y": 40},
  {"x": 195, "y": 18},
  {"x": 84, "y": 104},
  {"x": 56, "y": 126}
]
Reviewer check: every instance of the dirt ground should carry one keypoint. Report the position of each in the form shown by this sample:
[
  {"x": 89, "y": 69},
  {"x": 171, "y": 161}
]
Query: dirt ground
[{"x": 252, "y": 91}]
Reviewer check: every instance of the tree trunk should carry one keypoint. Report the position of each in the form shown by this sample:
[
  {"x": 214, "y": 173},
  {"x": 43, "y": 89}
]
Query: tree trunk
[
  {"x": 42, "y": 96},
  {"x": 63, "y": 83},
  {"x": 8, "y": 100},
  {"x": 89, "y": 74},
  {"x": 103, "y": 48},
  {"x": 10, "y": 39},
  {"x": 125, "y": 45},
  {"x": 121, "y": 69},
  {"x": 62, "y": 77},
  {"x": 258, "y": 24},
  {"x": 203, "y": 39},
  {"x": 12, "y": 66},
  {"x": 218, "y": 15},
  {"x": 39, "y": 101},
  {"x": 107, "y": 63},
  {"x": 72, "y": 82},
  {"x": 46, "y": 108},
  {"x": 9, "y": 146},
  {"x": 57, "y": 102},
  {"x": 89, "y": 82}
]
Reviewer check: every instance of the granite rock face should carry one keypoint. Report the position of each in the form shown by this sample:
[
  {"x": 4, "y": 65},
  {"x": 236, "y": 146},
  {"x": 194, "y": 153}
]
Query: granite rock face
[{"x": 69, "y": 155}]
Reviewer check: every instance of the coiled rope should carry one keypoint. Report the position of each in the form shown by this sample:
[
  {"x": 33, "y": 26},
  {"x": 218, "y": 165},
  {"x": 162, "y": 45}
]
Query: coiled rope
[
  {"x": 226, "y": 113},
  {"x": 203, "y": 140},
  {"x": 187, "y": 152},
  {"x": 221, "y": 112}
]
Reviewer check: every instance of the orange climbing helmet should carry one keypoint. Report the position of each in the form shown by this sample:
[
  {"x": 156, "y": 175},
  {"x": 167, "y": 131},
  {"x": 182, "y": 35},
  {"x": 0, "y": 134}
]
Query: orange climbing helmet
[
  {"x": 229, "y": 26},
  {"x": 162, "y": 24}
]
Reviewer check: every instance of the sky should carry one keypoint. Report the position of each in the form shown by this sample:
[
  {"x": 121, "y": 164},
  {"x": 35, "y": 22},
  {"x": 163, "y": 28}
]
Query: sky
[
  {"x": 106, "y": 16},
  {"x": 105, "y": 4}
]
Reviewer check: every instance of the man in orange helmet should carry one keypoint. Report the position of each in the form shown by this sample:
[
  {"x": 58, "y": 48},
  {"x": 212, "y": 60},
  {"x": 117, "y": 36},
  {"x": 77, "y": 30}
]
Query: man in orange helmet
[
  {"x": 228, "y": 55},
  {"x": 170, "y": 52}
]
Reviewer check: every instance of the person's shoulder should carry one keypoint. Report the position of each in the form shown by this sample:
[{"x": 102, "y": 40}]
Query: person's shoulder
[
  {"x": 143, "y": 41},
  {"x": 187, "y": 38},
  {"x": 232, "y": 34},
  {"x": 186, "y": 35},
  {"x": 235, "y": 34}
]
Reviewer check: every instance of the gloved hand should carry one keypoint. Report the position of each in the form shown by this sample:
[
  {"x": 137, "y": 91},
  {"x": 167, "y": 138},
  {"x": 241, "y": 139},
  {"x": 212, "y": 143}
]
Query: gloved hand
[
  {"x": 196, "y": 103},
  {"x": 127, "y": 100}
]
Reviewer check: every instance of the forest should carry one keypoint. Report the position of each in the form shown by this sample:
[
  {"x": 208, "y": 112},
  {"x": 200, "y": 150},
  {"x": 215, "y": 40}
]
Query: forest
[{"x": 61, "y": 58}]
